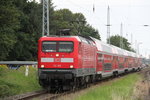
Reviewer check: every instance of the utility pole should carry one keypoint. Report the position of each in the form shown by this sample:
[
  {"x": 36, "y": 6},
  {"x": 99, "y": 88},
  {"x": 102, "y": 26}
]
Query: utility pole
[
  {"x": 131, "y": 39},
  {"x": 108, "y": 25},
  {"x": 136, "y": 49},
  {"x": 45, "y": 27},
  {"x": 138, "y": 44},
  {"x": 121, "y": 36}
]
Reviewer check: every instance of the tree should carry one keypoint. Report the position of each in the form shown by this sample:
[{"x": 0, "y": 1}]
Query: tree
[
  {"x": 9, "y": 24},
  {"x": 64, "y": 18},
  {"x": 90, "y": 31},
  {"x": 29, "y": 32},
  {"x": 21, "y": 27},
  {"x": 115, "y": 40},
  {"x": 60, "y": 20},
  {"x": 25, "y": 48}
]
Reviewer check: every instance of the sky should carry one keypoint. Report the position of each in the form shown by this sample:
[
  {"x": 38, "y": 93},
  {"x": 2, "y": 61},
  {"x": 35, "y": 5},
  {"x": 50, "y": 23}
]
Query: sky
[{"x": 133, "y": 14}]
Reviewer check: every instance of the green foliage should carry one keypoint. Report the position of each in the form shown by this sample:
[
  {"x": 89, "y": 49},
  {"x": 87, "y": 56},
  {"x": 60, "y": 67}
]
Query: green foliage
[
  {"x": 14, "y": 82},
  {"x": 7, "y": 42},
  {"x": 64, "y": 18},
  {"x": 90, "y": 31},
  {"x": 121, "y": 89},
  {"x": 25, "y": 47},
  {"x": 21, "y": 27},
  {"x": 115, "y": 40},
  {"x": 9, "y": 23},
  {"x": 8, "y": 16},
  {"x": 6, "y": 88}
]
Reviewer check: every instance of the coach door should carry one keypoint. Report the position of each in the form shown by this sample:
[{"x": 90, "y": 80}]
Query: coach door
[
  {"x": 126, "y": 62},
  {"x": 107, "y": 65},
  {"x": 100, "y": 62},
  {"x": 115, "y": 62}
]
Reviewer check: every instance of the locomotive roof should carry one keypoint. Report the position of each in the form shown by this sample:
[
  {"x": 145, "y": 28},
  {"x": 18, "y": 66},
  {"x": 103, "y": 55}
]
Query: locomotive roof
[
  {"x": 54, "y": 36},
  {"x": 79, "y": 38}
]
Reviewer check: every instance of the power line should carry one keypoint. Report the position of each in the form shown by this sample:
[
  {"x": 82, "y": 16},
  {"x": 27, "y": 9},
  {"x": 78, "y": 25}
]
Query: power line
[{"x": 88, "y": 11}]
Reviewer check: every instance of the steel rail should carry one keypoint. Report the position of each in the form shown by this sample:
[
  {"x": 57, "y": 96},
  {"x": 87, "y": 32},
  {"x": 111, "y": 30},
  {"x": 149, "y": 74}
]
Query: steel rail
[{"x": 25, "y": 95}]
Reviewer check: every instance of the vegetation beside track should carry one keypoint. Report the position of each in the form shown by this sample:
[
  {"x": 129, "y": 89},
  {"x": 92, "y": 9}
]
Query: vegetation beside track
[
  {"x": 14, "y": 82},
  {"x": 119, "y": 89}
]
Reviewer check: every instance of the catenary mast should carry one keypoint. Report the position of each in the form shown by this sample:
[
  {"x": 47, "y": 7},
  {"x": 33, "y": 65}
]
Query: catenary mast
[
  {"x": 108, "y": 25},
  {"x": 45, "y": 27}
]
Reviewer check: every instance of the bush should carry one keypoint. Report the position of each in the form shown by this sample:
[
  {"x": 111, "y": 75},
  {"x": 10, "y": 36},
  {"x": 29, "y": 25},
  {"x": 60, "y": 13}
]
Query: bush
[
  {"x": 6, "y": 89},
  {"x": 13, "y": 82}
]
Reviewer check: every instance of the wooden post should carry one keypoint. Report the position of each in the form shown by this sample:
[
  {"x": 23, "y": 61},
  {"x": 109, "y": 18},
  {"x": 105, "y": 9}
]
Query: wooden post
[{"x": 27, "y": 70}]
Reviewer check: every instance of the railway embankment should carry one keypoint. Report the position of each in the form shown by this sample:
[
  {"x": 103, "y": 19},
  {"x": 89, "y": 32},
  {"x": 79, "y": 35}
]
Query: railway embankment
[
  {"x": 14, "y": 82},
  {"x": 134, "y": 86},
  {"x": 142, "y": 87}
]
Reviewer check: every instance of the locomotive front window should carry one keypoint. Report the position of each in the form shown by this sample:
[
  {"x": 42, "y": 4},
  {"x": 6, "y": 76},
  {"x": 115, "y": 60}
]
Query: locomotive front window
[
  {"x": 65, "y": 47},
  {"x": 50, "y": 46}
]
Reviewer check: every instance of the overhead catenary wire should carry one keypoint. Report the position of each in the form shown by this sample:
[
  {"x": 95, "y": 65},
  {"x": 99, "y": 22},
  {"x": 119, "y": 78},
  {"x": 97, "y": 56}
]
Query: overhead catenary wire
[{"x": 86, "y": 10}]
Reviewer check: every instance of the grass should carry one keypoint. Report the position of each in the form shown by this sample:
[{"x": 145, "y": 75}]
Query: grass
[
  {"x": 119, "y": 89},
  {"x": 13, "y": 82}
]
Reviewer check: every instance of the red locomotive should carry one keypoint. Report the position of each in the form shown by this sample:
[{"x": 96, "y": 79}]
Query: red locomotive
[{"x": 71, "y": 61}]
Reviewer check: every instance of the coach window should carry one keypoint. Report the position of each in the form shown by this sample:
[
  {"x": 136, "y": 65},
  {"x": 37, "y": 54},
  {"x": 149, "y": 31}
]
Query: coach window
[
  {"x": 100, "y": 57},
  {"x": 126, "y": 59},
  {"x": 114, "y": 58},
  {"x": 88, "y": 41},
  {"x": 117, "y": 59}
]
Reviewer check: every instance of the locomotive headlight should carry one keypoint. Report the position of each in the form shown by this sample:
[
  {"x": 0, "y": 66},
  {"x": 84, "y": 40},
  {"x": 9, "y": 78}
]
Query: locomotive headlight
[
  {"x": 57, "y": 55},
  {"x": 71, "y": 66},
  {"x": 42, "y": 66}
]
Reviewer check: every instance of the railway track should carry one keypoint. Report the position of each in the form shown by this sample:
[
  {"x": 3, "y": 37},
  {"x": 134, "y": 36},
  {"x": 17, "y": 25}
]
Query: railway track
[
  {"x": 25, "y": 96},
  {"x": 43, "y": 95},
  {"x": 146, "y": 82},
  {"x": 40, "y": 95}
]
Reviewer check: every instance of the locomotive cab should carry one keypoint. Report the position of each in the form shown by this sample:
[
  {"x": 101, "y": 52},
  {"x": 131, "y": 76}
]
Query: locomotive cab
[
  {"x": 65, "y": 61},
  {"x": 57, "y": 59}
]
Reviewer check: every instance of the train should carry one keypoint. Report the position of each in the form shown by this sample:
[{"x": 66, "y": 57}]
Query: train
[{"x": 69, "y": 62}]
